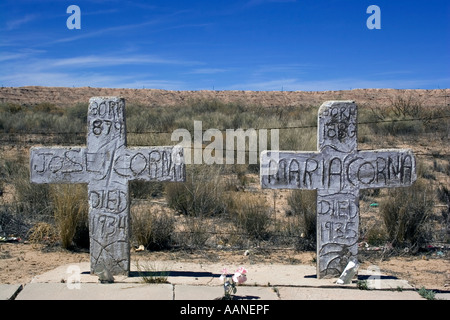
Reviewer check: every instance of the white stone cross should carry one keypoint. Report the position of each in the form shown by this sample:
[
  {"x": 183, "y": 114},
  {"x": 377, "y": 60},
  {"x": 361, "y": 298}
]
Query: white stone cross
[
  {"x": 337, "y": 171},
  {"x": 106, "y": 165}
]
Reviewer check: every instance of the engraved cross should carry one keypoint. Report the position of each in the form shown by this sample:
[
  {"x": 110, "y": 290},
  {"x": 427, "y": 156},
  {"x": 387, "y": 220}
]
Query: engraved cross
[
  {"x": 106, "y": 165},
  {"x": 337, "y": 171}
]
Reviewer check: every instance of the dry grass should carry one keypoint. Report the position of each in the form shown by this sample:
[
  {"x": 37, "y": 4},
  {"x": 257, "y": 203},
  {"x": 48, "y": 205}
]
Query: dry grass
[
  {"x": 152, "y": 227},
  {"x": 70, "y": 207},
  {"x": 43, "y": 232},
  {"x": 406, "y": 213},
  {"x": 251, "y": 214},
  {"x": 221, "y": 204}
]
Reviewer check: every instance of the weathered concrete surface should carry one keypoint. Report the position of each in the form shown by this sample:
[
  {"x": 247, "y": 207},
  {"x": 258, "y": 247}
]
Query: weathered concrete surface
[
  {"x": 9, "y": 291},
  {"x": 189, "y": 292},
  {"x": 337, "y": 171},
  {"x": 193, "y": 281},
  {"x": 208, "y": 275},
  {"x": 291, "y": 293},
  {"x": 94, "y": 291},
  {"x": 106, "y": 165}
]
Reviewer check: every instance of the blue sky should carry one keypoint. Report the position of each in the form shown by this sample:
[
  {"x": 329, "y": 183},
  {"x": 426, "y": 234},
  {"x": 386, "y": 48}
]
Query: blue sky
[{"x": 226, "y": 44}]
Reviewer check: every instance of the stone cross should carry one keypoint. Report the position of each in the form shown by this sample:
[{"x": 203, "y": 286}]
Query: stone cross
[
  {"x": 106, "y": 165},
  {"x": 337, "y": 171}
]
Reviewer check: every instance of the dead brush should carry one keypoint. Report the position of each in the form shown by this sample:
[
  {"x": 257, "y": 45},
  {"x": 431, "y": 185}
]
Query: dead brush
[{"x": 43, "y": 233}]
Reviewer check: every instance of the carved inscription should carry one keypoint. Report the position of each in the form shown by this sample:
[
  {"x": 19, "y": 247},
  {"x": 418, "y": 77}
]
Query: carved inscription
[
  {"x": 337, "y": 231},
  {"x": 108, "y": 225},
  {"x": 364, "y": 169},
  {"x": 338, "y": 171},
  {"x": 53, "y": 165},
  {"x": 151, "y": 164},
  {"x": 107, "y": 117},
  {"x": 341, "y": 122},
  {"x": 112, "y": 201},
  {"x": 106, "y": 165}
]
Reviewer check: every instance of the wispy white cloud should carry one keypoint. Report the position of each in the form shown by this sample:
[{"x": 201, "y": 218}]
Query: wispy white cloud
[
  {"x": 119, "y": 28},
  {"x": 26, "y": 68},
  {"x": 207, "y": 71},
  {"x": 114, "y": 60},
  {"x": 62, "y": 79},
  {"x": 17, "y": 23},
  {"x": 16, "y": 55},
  {"x": 253, "y": 3},
  {"x": 293, "y": 84}
]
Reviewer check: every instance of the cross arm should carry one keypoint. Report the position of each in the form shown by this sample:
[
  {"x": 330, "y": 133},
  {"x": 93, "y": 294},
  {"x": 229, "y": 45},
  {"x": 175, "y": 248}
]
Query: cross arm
[
  {"x": 151, "y": 164},
  {"x": 58, "y": 165},
  {"x": 291, "y": 170},
  {"x": 383, "y": 168}
]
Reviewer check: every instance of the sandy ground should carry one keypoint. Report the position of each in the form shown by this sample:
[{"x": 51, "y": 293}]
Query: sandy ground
[{"x": 20, "y": 262}]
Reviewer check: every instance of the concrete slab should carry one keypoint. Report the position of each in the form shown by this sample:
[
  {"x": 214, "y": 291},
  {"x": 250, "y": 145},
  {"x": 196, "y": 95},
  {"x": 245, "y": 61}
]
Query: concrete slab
[
  {"x": 9, "y": 291},
  {"x": 188, "y": 292},
  {"x": 176, "y": 273},
  {"x": 199, "y": 281},
  {"x": 94, "y": 291},
  {"x": 442, "y": 296},
  {"x": 208, "y": 274},
  {"x": 296, "y": 293}
]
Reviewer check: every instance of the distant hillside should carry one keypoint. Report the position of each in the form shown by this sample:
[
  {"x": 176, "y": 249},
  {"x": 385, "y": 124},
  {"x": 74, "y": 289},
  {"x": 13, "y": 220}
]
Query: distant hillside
[{"x": 63, "y": 96}]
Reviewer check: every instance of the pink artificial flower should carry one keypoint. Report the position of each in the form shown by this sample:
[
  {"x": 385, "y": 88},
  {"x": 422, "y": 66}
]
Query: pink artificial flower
[
  {"x": 242, "y": 270},
  {"x": 239, "y": 277}
]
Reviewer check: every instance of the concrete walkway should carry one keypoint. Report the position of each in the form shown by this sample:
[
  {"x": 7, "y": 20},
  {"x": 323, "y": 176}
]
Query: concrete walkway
[{"x": 193, "y": 281}]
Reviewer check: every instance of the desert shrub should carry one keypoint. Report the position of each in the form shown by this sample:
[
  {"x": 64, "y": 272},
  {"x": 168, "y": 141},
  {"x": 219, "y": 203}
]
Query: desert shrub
[
  {"x": 152, "y": 228},
  {"x": 396, "y": 118},
  {"x": 254, "y": 219},
  {"x": 43, "y": 232},
  {"x": 302, "y": 205},
  {"x": 12, "y": 222},
  {"x": 201, "y": 194},
  {"x": 30, "y": 202},
  {"x": 195, "y": 232},
  {"x": 443, "y": 194},
  {"x": 406, "y": 213},
  {"x": 10, "y": 107},
  {"x": 46, "y": 107},
  {"x": 70, "y": 207},
  {"x": 400, "y": 127},
  {"x": 144, "y": 189},
  {"x": 376, "y": 235},
  {"x": 31, "y": 199},
  {"x": 143, "y": 119},
  {"x": 78, "y": 111},
  {"x": 298, "y": 139},
  {"x": 251, "y": 214}
]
